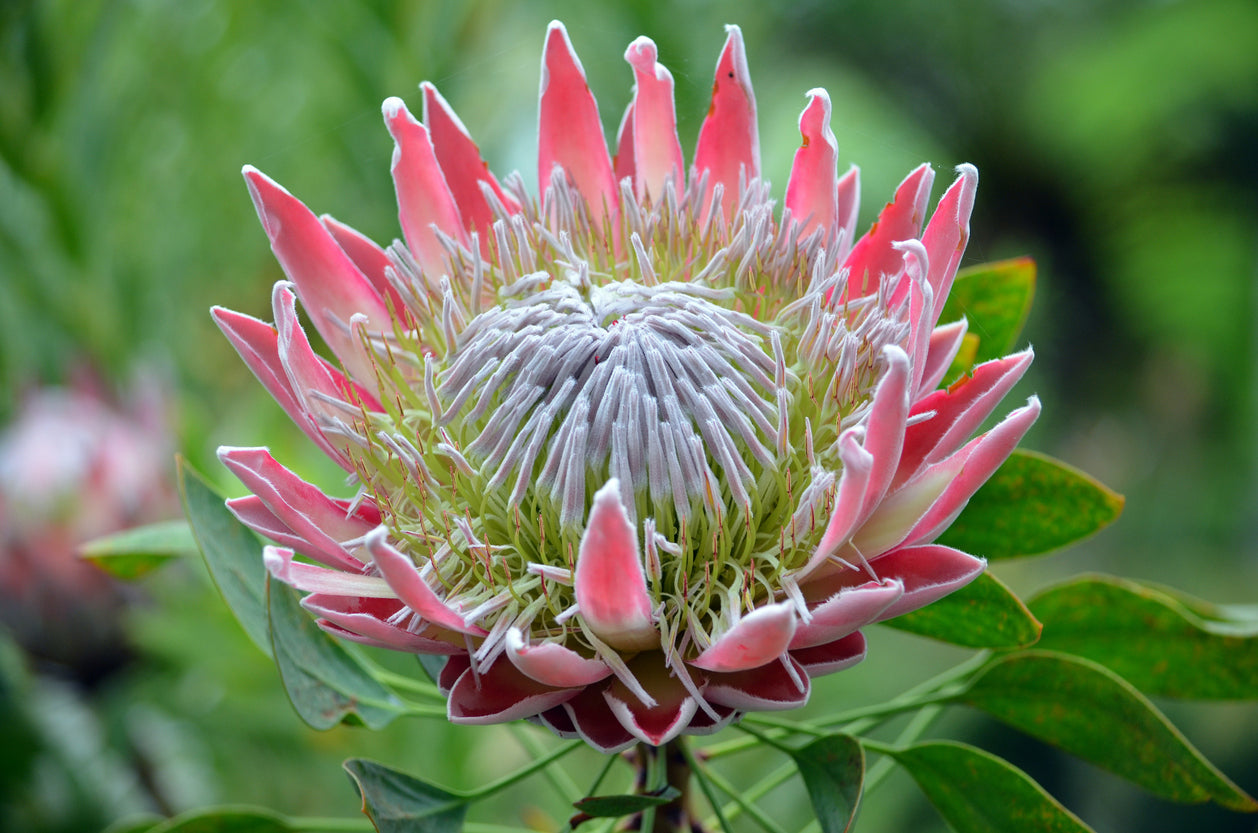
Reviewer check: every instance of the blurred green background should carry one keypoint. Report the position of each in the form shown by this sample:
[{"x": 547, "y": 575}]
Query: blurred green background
[{"x": 1117, "y": 143}]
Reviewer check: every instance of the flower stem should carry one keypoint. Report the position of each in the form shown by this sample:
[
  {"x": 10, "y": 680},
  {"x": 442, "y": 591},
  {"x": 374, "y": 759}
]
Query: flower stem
[
  {"x": 400, "y": 681},
  {"x": 916, "y": 728},
  {"x": 701, "y": 776},
  {"x": 767, "y": 824},
  {"x": 329, "y": 825},
  {"x": 871, "y": 715},
  {"x": 558, "y": 778},
  {"x": 524, "y": 772},
  {"x": 753, "y": 793},
  {"x": 934, "y": 684}
]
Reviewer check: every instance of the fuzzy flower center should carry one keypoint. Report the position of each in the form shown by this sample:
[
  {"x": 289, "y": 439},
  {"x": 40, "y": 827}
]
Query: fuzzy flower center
[{"x": 706, "y": 363}]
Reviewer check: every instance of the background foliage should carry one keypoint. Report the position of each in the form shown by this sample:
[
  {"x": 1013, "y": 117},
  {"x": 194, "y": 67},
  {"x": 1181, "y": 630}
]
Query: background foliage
[{"x": 1115, "y": 145}]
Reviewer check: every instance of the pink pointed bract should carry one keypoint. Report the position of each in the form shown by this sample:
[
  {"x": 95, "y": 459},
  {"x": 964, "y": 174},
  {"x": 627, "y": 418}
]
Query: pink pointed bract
[{"x": 634, "y": 465}]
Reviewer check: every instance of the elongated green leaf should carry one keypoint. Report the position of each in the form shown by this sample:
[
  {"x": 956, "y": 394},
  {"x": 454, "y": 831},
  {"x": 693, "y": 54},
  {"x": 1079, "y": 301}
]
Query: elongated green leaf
[
  {"x": 133, "y": 553},
  {"x": 232, "y": 553},
  {"x": 1091, "y": 712},
  {"x": 995, "y": 299},
  {"x": 325, "y": 683},
  {"x": 615, "y": 806},
  {"x": 397, "y": 803},
  {"x": 1150, "y": 638},
  {"x": 1031, "y": 505},
  {"x": 833, "y": 769},
  {"x": 976, "y": 792},
  {"x": 983, "y": 614},
  {"x": 222, "y": 820}
]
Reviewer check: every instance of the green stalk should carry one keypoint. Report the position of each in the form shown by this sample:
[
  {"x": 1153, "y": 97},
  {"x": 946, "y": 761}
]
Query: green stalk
[
  {"x": 656, "y": 779},
  {"x": 520, "y": 774},
  {"x": 916, "y": 728},
  {"x": 780, "y": 727},
  {"x": 757, "y": 791},
  {"x": 767, "y": 824},
  {"x": 701, "y": 776},
  {"x": 318, "y": 825},
  {"x": 558, "y": 778}
]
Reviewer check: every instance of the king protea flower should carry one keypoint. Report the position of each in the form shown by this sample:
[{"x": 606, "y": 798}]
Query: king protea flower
[{"x": 639, "y": 455}]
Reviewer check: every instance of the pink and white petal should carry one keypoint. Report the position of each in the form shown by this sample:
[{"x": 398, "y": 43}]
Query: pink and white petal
[
  {"x": 465, "y": 170},
  {"x": 364, "y": 510},
  {"x": 958, "y": 412},
  {"x": 300, "y": 506},
  {"x": 656, "y": 148},
  {"x": 367, "y": 256},
  {"x": 500, "y": 694},
  {"x": 849, "y": 502},
  {"x": 812, "y": 191},
  {"x": 656, "y": 726},
  {"x": 983, "y": 455},
  {"x": 310, "y": 578},
  {"x": 570, "y": 133},
  {"x": 846, "y": 612},
  {"x": 609, "y": 582},
  {"x": 425, "y": 204},
  {"x": 884, "y": 437},
  {"x": 594, "y": 722},
  {"x": 929, "y": 573},
  {"x": 874, "y": 255},
  {"x": 400, "y": 572},
  {"x": 704, "y": 724},
  {"x": 553, "y": 664},
  {"x": 674, "y": 706},
  {"x": 902, "y": 510},
  {"x": 558, "y": 721},
  {"x": 331, "y": 287},
  {"x": 454, "y": 668},
  {"x": 368, "y": 619},
  {"x": 770, "y": 687},
  {"x": 832, "y": 656},
  {"x": 253, "y": 513},
  {"x": 258, "y": 344},
  {"x": 729, "y": 139},
  {"x": 758, "y": 638},
  {"x": 312, "y": 380},
  {"x": 335, "y": 630},
  {"x": 949, "y": 230},
  {"x": 623, "y": 161},
  {"x": 921, "y": 302},
  {"x": 848, "y": 193},
  {"x": 945, "y": 343}
]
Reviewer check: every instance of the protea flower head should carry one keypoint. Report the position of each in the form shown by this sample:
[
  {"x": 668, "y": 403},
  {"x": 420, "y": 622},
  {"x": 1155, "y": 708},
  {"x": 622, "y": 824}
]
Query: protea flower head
[{"x": 638, "y": 455}]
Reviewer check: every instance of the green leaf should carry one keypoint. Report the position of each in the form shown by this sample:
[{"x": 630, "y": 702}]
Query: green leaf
[
  {"x": 397, "y": 803},
  {"x": 232, "y": 553},
  {"x": 1031, "y": 505},
  {"x": 615, "y": 806},
  {"x": 976, "y": 792},
  {"x": 963, "y": 361},
  {"x": 995, "y": 299},
  {"x": 983, "y": 614},
  {"x": 1150, "y": 638},
  {"x": 222, "y": 820},
  {"x": 135, "y": 552},
  {"x": 431, "y": 664},
  {"x": 1091, "y": 712},
  {"x": 136, "y": 824},
  {"x": 833, "y": 769},
  {"x": 325, "y": 683}
]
